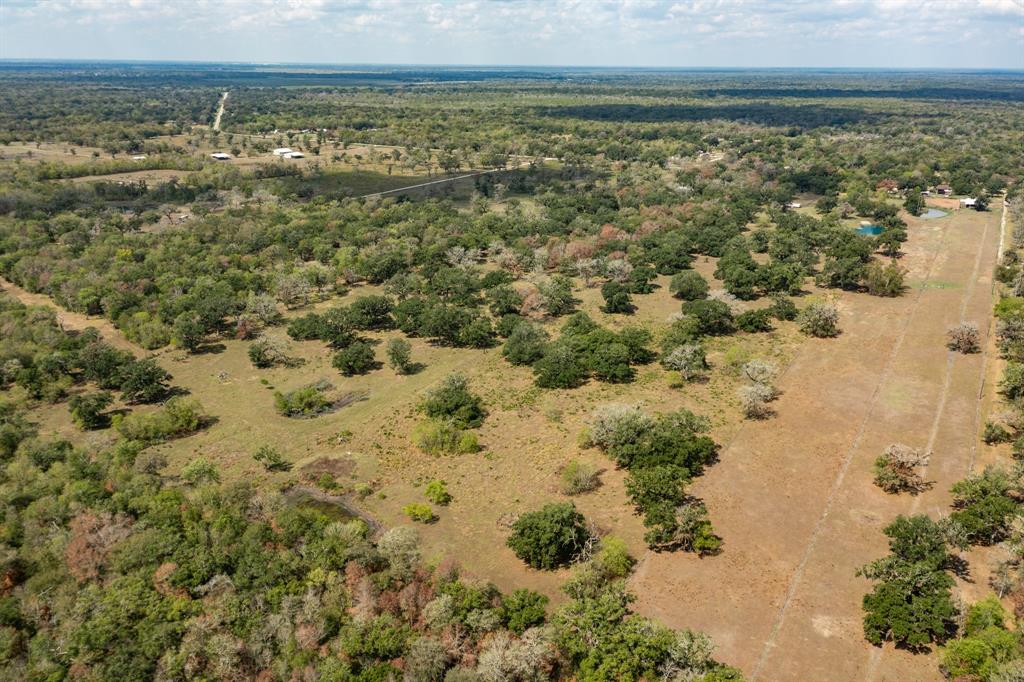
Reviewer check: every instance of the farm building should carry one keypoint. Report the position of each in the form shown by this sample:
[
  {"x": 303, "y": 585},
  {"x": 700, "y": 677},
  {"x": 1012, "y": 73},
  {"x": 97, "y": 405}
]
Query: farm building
[
  {"x": 294, "y": 155},
  {"x": 282, "y": 151},
  {"x": 220, "y": 156},
  {"x": 969, "y": 202},
  {"x": 945, "y": 190}
]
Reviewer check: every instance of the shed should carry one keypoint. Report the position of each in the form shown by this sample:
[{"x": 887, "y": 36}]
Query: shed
[
  {"x": 294, "y": 155},
  {"x": 282, "y": 151},
  {"x": 220, "y": 156}
]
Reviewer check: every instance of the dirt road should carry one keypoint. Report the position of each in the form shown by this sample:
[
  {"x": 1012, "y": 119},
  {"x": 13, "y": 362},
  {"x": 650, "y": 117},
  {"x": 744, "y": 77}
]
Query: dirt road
[
  {"x": 70, "y": 320},
  {"x": 793, "y": 496},
  {"x": 220, "y": 110}
]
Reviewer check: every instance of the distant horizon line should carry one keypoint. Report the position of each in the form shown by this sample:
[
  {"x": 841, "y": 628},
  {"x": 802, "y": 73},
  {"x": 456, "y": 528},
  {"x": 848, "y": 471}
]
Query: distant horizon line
[{"x": 467, "y": 65}]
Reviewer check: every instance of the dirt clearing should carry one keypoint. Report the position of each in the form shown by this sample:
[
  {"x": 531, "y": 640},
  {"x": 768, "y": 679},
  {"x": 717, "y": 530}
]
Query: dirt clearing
[{"x": 793, "y": 496}]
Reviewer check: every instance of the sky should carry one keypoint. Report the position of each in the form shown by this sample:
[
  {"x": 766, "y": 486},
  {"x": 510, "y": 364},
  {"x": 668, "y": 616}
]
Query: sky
[{"x": 673, "y": 33}]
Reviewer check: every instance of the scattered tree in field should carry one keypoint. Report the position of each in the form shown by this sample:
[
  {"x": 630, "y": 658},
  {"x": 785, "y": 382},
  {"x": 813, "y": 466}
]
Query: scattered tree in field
[
  {"x": 910, "y": 604},
  {"x": 559, "y": 367},
  {"x": 616, "y": 298},
  {"x": 754, "y": 321},
  {"x": 87, "y": 410},
  {"x": 820, "y": 320},
  {"x": 689, "y": 285},
  {"x": 307, "y": 401},
  {"x": 914, "y": 203},
  {"x": 580, "y": 477},
  {"x": 399, "y": 352},
  {"x": 884, "y": 280},
  {"x": 267, "y": 352},
  {"x": 452, "y": 400},
  {"x": 553, "y": 536},
  {"x": 964, "y": 338},
  {"x": 357, "y": 358},
  {"x": 896, "y": 469},
  {"x": 985, "y": 649},
  {"x": 271, "y": 458},
  {"x": 189, "y": 332},
  {"x": 556, "y": 296},
  {"x": 712, "y": 317},
  {"x": 526, "y": 344},
  {"x": 760, "y": 372},
  {"x": 689, "y": 360}
]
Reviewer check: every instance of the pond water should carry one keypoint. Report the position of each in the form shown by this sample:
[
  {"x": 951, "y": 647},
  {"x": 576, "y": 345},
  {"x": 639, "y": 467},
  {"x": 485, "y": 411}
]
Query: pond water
[
  {"x": 869, "y": 230},
  {"x": 933, "y": 213},
  {"x": 333, "y": 510}
]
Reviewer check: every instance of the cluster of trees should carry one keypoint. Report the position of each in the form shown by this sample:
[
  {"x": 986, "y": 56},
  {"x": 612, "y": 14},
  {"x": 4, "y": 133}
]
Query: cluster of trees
[
  {"x": 114, "y": 572},
  {"x": 452, "y": 410},
  {"x": 583, "y": 349},
  {"x": 47, "y": 363},
  {"x": 662, "y": 453}
]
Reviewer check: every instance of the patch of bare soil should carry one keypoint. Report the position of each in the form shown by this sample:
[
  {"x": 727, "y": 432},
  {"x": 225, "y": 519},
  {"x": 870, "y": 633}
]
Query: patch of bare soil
[{"x": 793, "y": 496}]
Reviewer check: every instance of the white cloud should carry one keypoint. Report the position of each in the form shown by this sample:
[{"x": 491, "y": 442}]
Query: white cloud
[{"x": 671, "y": 32}]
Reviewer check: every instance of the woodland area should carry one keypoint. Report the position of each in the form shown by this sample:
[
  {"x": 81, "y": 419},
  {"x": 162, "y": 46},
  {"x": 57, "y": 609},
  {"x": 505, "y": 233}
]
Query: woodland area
[{"x": 738, "y": 199}]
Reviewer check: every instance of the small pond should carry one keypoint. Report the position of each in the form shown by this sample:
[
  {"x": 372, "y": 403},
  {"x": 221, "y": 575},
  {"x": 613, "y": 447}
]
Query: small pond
[
  {"x": 933, "y": 213},
  {"x": 870, "y": 230},
  {"x": 330, "y": 506}
]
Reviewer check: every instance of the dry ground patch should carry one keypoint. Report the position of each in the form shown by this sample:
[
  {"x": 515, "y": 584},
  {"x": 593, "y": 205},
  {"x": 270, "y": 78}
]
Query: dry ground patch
[{"x": 794, "y": 498}]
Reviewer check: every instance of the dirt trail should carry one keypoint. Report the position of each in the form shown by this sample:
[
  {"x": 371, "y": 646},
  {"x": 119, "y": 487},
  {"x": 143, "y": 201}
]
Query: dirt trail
[
  {"x": 71, "y": 320},
  {"x": 793, "y": 496},
  {"x": 220, "y": 110}
]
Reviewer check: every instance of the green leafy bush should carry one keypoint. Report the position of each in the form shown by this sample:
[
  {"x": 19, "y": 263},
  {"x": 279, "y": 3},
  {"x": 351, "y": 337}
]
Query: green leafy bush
[{"x": 553, "y": 536}]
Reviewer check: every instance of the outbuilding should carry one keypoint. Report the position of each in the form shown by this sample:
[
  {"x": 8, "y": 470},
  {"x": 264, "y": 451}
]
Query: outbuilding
[
  {"x": 969, "y": 202},
  {"x": 282, "y": 151},
  {"x": 220, "y": 156},
  {"x": 945, "y": 190},
  {"x": 294, "y": 155}
]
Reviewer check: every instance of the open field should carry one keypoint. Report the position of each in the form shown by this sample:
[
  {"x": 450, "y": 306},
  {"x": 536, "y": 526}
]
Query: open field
[{"x": 793, "y": 496}]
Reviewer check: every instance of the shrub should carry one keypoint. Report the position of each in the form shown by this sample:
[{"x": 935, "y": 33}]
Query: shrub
[
  {"x": 478, "y": 333},
  {"x": 357, "y": 358},
  {"x": 616, "y": 298},
  {"x": 820, "y": 320},
  {"x": 755, "y": 399},
  {"x": 896, "y": 469},
  {"x": 985, "y": 506},
  {"x": 200, "y": 471},
  {"x": 713, "y": 318},
  {"x": 437, "y": 492},
  {"x": 307, "y": 401},
  {"x": 266, "y": 352},
  {"x": 143, "y": 381},
  {"x": 452, "y": 400},
  {"x": 559, "y": 367},
  {"x": 884, "y": 280},
  {"x": 610, "y": 364},
  {"x": 271, "y": 459},
  {"x": 370, "y": 312},
  {"x": 995, "y": 434},
  {"x": 399, "y": 352},
  {"x": 689, "y": 286},
  {"x": 551, "y": 537},
  {"x": 421, "y": 513},
  {"x": 754, "y": 321},
  {"x": 964, "y": 338},
  {"x": 580, "y": 477},
  {"x": 689, "y": 360},
  {"x": 556, "y": 296},
  {"x": 178, "y": 417},
  {"x": 526, "y": 344},
  {"x": 783, "y": 309},
  {"x": 86, "y": 410},
  {"x": 523, "y": 609},
  {"x": 438, "y": 437}
]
